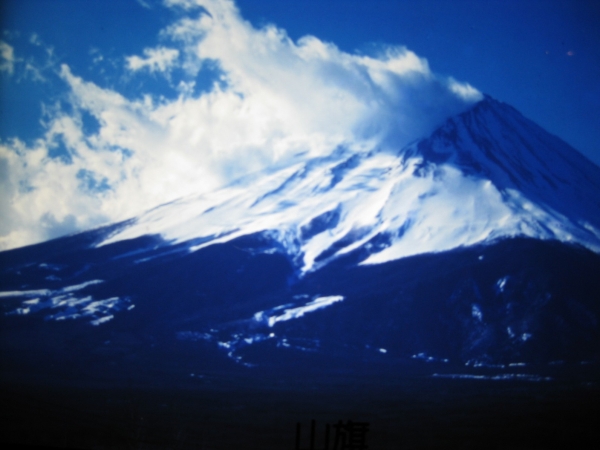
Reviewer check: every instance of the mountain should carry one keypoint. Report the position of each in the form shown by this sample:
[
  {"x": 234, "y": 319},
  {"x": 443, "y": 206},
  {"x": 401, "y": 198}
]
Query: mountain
[
  {"x": 486, "y": 174},
  {"x": 475, "y": 250}
]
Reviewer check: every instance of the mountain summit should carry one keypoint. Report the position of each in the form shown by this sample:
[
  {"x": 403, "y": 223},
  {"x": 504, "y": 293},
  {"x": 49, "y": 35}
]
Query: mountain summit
[
  {"x": 486, "y": 174},
  {"x": 475, "y": 247}
]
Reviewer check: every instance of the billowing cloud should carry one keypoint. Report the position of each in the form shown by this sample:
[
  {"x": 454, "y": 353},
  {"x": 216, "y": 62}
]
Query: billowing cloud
[
  {"x": 273, "y": 101},
  {"x": 156, "y": 59}
]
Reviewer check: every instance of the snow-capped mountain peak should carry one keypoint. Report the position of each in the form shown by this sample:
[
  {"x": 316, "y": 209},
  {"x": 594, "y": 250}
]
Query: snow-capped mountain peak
[{"x": 483, "y": 175}]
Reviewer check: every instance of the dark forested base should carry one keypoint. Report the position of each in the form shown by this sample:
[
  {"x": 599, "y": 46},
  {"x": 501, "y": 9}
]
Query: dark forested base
[
  {"x": 516, "y": 301},
  {"x": 493, "y": 347}
]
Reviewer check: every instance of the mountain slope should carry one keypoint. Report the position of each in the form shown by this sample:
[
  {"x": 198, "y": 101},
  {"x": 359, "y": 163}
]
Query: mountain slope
[
  {"x": 486, "y": 174},
  {"x": 474, "y": 249}
]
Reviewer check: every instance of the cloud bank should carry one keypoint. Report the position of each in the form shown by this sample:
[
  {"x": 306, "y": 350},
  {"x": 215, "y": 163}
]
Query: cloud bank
[{"x": 273, "y": 101}]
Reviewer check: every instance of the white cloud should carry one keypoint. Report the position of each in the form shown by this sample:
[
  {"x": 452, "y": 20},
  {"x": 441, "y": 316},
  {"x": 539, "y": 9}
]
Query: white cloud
[
  {"x": 30, "y": 67},
  {"x": 464, "y": 90},
  {"x": 35, "y": 40},
  {"x": 7, "y": 58},
  {"x": 144, "y": 4},
  {"x": 157, "y": 59},
  {"x": 275, "y": 99},
  {"x": 185, "y": 4}
]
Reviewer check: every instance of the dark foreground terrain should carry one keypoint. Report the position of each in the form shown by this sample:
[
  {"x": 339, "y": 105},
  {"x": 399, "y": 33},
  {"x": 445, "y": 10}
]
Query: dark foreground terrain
[
  {"x": 146, "y": 345},
  {"x": 233, "y": 413}
]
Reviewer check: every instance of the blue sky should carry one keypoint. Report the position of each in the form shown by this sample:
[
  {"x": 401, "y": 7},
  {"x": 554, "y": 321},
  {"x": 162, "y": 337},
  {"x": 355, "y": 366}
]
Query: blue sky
[{"x": 106, "y": 105}]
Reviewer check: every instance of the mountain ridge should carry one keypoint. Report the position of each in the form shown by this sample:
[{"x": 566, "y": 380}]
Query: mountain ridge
[{"x": 478, "y": 177}]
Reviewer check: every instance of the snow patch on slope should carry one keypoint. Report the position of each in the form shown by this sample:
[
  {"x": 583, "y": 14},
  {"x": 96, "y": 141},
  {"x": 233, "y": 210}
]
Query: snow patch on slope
[
  {"x": 297, "y": 312},
  {"x": 260, "y": 328},
  {"x": 65, "y": 304}
]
